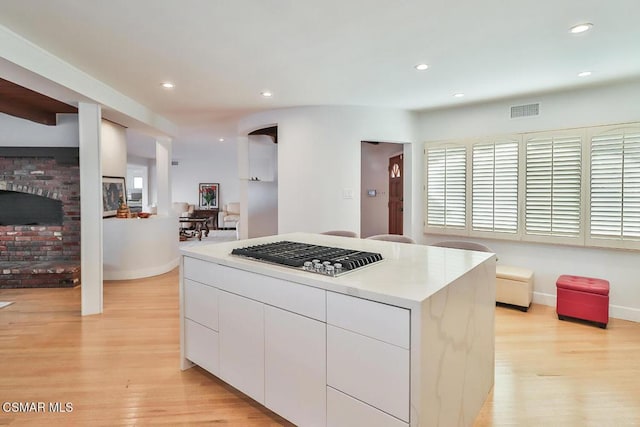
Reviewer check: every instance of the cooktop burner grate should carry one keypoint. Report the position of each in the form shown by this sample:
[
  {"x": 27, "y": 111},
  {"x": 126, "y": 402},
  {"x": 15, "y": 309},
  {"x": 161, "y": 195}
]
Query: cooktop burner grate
[{"x": 314, "y": 258}]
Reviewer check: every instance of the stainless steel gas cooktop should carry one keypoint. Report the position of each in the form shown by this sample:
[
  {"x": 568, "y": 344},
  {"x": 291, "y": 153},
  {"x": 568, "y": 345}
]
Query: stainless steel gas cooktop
[{"x": 324, "y": 260}]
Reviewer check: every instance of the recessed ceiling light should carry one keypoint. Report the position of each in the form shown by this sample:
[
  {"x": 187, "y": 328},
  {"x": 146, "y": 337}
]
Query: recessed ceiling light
[
  {"x": 168, "y": 85},
  {"x": 584, "y": 74},
  {"x": 421, "y": 67},
  {"x": 581, "y": 28},
  {"x": 221, "y": 140},
  {"x": 458, "y": 95},
  {"x": 266, "y": 94}
]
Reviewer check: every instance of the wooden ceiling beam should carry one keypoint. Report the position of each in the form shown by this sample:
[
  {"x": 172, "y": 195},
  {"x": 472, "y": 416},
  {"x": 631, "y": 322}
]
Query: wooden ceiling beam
[
  {"x": 27, "y": 112},
  {"x": 24, "y": 103}
]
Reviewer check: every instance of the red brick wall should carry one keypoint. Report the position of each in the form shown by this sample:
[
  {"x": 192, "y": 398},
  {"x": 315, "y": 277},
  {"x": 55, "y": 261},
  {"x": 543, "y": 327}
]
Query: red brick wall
[{"x": 48, "y": 178}]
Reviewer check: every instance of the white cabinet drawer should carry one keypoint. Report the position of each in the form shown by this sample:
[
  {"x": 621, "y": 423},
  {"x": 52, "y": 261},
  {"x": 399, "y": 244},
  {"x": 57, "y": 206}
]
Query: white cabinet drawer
[
  {"x": 373, "y": 319},
  {"x": 200, "y": 271},
  {"x": 290, "y": 296},
  {"x": 369, "y": 370},
  {"x": 345, "y": 411},
  {"x": 201, "y": 346},
  {"x": 201, "y": 303}
]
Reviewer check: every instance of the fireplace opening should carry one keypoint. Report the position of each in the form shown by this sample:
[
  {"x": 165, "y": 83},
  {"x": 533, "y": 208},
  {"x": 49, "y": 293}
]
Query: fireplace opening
[{"x": 18, "y": 208}]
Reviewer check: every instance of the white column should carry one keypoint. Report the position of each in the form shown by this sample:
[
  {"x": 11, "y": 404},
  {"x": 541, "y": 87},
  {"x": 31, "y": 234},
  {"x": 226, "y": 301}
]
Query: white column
[
  {"x": 90, "y": 118},
  {"x": 163, "y": 171},
  {"x": 408, "y": 183},
  {"x": 243, "y": 172},
  {"x": 414, "y": 156}
]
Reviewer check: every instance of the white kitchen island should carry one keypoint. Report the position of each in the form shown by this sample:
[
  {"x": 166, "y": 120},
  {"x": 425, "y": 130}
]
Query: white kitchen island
[{"x": 408, "y": 341}]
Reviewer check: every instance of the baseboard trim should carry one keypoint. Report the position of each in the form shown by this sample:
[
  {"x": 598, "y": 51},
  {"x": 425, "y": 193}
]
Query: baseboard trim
[{"x": 615, "y": 311}]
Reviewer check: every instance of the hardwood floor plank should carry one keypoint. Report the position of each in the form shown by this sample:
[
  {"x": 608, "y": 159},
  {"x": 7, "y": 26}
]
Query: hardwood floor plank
[{"x": 122, "y": 367}]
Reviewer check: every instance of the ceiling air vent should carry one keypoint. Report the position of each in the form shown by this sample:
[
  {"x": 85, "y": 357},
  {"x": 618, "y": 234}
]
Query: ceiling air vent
[{"x": 525, "y": 110}]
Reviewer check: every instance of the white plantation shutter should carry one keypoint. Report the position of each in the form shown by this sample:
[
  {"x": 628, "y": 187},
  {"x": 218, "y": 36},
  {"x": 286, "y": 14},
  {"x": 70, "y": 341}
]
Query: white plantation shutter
[
  {"x": 495, "y": 187},
  {"x": 553, "y": 185},
  {"x": 446, "y": 187},
  {"x": 615, "y": 185}
]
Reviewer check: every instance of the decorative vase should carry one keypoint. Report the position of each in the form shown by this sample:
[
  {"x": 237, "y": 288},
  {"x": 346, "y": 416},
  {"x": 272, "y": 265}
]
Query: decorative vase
[{"x": 123, "y": 210}]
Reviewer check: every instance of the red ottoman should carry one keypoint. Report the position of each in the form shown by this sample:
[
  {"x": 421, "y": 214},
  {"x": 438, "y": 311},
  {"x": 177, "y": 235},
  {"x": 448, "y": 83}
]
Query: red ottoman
[{"x": 583, "y": 298}]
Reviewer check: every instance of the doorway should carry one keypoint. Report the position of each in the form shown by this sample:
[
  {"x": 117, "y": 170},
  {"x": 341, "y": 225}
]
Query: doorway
[{"x": 376, "y": 214}]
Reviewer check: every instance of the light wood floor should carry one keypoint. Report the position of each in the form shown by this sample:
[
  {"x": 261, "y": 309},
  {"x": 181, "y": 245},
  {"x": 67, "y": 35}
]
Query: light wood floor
[{"x": 121, "y": 367}]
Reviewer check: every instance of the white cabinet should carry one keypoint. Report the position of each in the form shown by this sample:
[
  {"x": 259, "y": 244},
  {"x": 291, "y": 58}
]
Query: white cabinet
[
  {"x": 295, "y": 367},
  {"x": 314, "y": 357},
  {"x": 242, "y": 344}
]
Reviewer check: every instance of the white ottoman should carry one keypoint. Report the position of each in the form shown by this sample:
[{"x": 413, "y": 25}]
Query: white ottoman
[{"x": 514, "y": 286}]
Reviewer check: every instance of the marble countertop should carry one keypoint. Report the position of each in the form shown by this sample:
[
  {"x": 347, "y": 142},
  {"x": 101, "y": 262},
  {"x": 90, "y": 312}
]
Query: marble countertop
[{"x": 408, "y": 275}]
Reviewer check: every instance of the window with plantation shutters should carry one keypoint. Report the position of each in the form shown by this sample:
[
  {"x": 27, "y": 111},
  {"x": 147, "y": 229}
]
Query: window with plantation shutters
[
  {"x": 571, "y": 186},
  {"x": 446, "y": 187},
  {"x": 553, "y": 185},
  {"x": 494, "y": 204},
  {"x": 615, "y": 185}
]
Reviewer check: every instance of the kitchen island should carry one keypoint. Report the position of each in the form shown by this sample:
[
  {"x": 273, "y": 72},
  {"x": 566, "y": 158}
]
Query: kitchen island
[{"x": 406, "y": 341}]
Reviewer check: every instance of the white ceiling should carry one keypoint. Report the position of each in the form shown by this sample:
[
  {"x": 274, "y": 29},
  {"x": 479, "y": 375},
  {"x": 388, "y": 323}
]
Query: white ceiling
[{"x": 222, "y": 53}]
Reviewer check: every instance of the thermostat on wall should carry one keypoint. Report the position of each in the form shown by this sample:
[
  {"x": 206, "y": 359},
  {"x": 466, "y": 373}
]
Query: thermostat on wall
[{"x": 371, "y": 193}]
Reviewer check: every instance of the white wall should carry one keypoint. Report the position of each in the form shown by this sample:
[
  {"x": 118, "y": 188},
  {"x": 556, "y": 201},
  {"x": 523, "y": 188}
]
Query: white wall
[
  {"x": 319, "y": 159},
  {"x": 374, "y": 211},
  {"x": 16, "y": 132},
  {"x": 599, "y": 105},
  {"x": 113, "y": 150},
  {"x": 206, "y": 162},
  {"x": 596, "y": 106}
]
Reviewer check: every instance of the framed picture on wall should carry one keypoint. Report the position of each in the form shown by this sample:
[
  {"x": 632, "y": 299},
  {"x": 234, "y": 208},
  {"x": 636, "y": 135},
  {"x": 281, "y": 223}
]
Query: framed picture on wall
[
  {"x": 209, "y": 194},
  {"x": 114, "y": 190}
]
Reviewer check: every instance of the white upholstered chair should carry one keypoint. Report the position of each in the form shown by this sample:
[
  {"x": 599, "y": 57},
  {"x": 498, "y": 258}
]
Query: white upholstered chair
[
  {"x": 229, "y": 215},
  {"x": 182, "y": 208}
]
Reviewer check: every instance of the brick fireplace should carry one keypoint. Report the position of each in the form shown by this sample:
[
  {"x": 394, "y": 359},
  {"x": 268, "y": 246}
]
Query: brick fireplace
[{"x": 38, "y": 248}]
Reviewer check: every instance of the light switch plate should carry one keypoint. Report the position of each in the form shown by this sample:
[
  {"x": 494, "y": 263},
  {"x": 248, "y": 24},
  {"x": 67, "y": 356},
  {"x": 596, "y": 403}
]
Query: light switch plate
[{"x": 347, "y": 193}]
